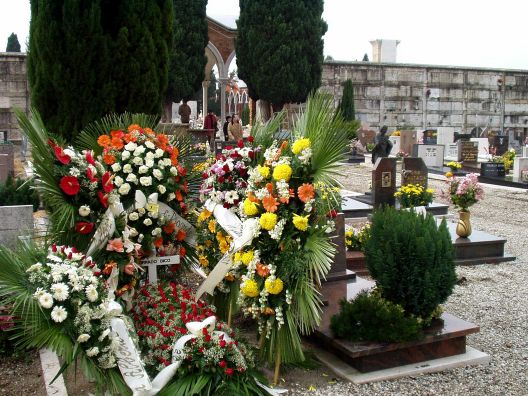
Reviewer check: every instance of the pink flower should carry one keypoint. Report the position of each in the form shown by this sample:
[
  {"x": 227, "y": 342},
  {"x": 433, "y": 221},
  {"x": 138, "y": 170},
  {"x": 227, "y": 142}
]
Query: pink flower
[{"x": 115, "y": 245}]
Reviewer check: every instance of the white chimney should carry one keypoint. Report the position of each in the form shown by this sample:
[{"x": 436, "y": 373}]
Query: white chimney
[{"x": 384, "y": 50}]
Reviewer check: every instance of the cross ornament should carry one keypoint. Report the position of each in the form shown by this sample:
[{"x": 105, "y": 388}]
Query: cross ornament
[{"x": 153, "y": 262}]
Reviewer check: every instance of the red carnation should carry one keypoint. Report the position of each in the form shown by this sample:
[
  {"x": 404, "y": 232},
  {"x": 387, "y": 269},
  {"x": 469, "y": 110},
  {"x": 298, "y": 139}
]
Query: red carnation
[
  {"x": 61, "y": 156},
  {"x": 70, "y": 185},
  {"x": 108, "y": 185},
  {"x": 251, "y": 154},
  {"x": 229, "y": 371},
  {"x": 222, "y": 363},
  {"x": 222, "y": 344},
  {"x": 251, "y": 139},
  {"x": 83, "y": 227},
  {"x": 240, "y": 143},
  {"x": 226, "y": 168},
  {"x": 229, "y": 147}
]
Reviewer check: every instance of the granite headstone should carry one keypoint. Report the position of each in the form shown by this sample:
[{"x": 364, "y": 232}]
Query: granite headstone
[
  {"x": 414, "y": 171},
  {"x": 432, "y": 154},
  {"x": 452, "y": 152},
  {"x": 492, "y": 169},
  {"x": 499, "y": 143},
  {"x": 468, "y": 151},
  {"x": 384, "y": 182}
]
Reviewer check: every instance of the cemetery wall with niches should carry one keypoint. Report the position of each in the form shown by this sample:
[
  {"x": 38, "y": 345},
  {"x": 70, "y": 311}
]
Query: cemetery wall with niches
[
  {"x": 14, "y": 92},
  {"x": 426, "y": 96}
]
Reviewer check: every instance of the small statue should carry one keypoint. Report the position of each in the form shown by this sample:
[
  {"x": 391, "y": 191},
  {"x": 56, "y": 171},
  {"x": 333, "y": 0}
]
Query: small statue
[{"x": 383, "y": 145}]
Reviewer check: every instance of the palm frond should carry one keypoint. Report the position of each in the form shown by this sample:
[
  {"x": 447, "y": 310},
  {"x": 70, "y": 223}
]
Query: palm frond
[
  {"x": 327, "y": 131},
  {"x": 87, "y": 138},
  {"x": 319, "y": 252},
  {"x": 264, "y": 134}
]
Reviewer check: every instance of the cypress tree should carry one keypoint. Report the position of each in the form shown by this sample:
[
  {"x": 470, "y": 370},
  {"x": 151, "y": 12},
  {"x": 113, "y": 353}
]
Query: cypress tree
[
  {"x": 347, "y": 102},
  {"x": 187, "y": 54},
  {"x": 366, "y": 58},
  {"x": 87, "y": 59},
  {"x": 280, "y": 48},
  {"x": 12, "y": 43}
]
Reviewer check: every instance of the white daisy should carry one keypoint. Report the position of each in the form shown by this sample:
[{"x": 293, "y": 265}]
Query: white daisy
[
  {"x": 91, "y": 293},
  {"x": 59, "y": 314},
  {"x": 231, "y": 196},
  {"x": 45, "y": 300},
  {"x": 60, "y": 291}
]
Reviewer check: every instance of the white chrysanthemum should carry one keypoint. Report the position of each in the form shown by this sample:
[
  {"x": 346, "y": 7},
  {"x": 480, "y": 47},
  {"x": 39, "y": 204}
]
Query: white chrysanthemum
[
  {"x": 92, "y": 352},
  {"x": 174, "y": 171},
  {"x": 145, "y": 181},
  {"x": 157, "y": 174},
  {"x": 231, "y": 196},
  {"x": 116, "y": 167},
  {"x": 45, "y": 300},
  {"x": 125, "y": 155},
  {"x": 127, "y": 168},
  {"x": 35, "y": 268},
  {"x": 137, "y": 161},
  {"x": 130, "y": 146},
  {"x": 124, "y": 189},
  {"x": 150, "y": 145},
  {"x": 91, "y": 293},
  {"x": 59, "y": 314},
  {"x": 162, "y": 189},
  {"x": 132, "y": 178},
  {"x": 147, "y": 222},
  {"x": 159, "y": 153},
  {"x": 60, "y": 291},
  {"x": 143, "y": 169},
  {"x": 83, "y": 338},
  {"x": 84, "y": 210},
  {"x": 133, "y": 216}
]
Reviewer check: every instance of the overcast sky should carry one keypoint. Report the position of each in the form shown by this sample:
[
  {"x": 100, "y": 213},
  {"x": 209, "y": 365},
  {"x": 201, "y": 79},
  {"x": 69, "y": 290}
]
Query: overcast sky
[{"x": 481, "y": 33}]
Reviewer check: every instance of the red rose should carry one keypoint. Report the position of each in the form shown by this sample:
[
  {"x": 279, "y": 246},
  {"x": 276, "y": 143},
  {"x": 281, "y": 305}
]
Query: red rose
[
  {"x": 70, "y": 185},
  {"x": 251, "y": 139},
  {"x": 108, "y": 185},
  {"x": 251, "y": 154},
  {"x": 240, "y": 143},
  {"x": 229, "y": 371},
  {"x": 222, "y": 344},
  {"x": 229, "y": 147},
  {"x": 226, "y": 168},
  {"x": 83, "y": 227},
  {"x": 222, "y": 363},
  {"x": 61, "y": 156}
]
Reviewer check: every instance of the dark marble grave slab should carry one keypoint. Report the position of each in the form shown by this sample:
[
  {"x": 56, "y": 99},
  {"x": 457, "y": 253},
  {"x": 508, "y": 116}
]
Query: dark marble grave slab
[{"x": 353, "y": 209}]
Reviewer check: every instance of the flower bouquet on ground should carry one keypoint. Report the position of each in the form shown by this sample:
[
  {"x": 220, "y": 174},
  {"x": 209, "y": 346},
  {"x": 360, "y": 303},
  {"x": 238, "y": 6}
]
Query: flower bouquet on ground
[
  {"x": 412, "y": 195},
  {"x": 291, "y": 251},
  {"x": 355, "y": 239},
  {"x": 454, "y": 165},
  {"x": 463, "y": 192}
]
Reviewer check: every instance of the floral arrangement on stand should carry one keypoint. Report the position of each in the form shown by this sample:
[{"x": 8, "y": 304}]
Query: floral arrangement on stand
[
  {"x": 412, "y": 195},
  {"x": 355, "y": 239},
  {"x": 291, "y": 251}
]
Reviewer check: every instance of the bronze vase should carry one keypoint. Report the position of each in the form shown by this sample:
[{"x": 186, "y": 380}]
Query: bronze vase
[{"x": 463, "y": 228}]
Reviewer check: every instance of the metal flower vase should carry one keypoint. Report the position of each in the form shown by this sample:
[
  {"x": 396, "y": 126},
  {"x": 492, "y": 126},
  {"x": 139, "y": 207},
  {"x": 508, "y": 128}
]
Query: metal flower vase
[{"x": 463, "y": 228}]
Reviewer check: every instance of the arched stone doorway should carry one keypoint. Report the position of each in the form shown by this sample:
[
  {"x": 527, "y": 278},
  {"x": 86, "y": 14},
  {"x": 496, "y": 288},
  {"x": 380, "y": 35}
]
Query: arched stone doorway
[{"x": 220, "y": 51}]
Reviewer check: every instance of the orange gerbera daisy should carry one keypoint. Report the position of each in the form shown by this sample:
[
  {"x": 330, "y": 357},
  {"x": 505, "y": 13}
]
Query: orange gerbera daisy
[
  {"x": 109, "y": 159},
  {"x": 104, "y": 141},
  {"x": 134, "y": 127},
  {"x": 306, "y": 192},
  {"x": 117, "y": 143},
  {"x": 270, "y": 203},
  {"x": 269, "y": 187},
  {"x": 169, "y": 227},
  {"x": 181, "y": 235},
  {"x": 252, "y": 198},
  {"x": 117, "y": 134},
  {"x": 158, "y": 242}
]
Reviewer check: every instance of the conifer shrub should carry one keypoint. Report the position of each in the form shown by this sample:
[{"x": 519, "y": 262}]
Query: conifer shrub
[
  {"x": 369, "y": 317},
  {"x": 411, "y": 259}
]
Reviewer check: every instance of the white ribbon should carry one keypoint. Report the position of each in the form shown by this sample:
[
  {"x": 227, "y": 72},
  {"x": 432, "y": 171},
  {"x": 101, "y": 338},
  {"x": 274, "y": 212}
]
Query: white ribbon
[
  {"x": 106, "y": 229},
  {"x": 242, "y": 234}
]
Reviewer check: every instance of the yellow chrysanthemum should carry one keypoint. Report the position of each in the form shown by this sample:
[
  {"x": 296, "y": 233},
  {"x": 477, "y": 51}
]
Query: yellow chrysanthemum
[
  {"x": 238, "y": 257},
  {"x": 247, "y": 257},
  {"x": 212, "y": 226},
  {"x": 203, "y": 261},
  {"x": 220, "y": 237},
  {"x": 268, "y": 221},
  {"x": 300, "y": 145},
  {"x": 224, "y": 246},
  {"x": 264, "y": 171},
  {"x": 204, "y": 215},
  {"x": 250, "y": 288},
  {"x": 273, "y": 286},
  {"x": 300, "y": 222},
  {"x": 250, "y": 208},
  {"x": 208, "y": 243},
  {"x": 282, "y": 172}
]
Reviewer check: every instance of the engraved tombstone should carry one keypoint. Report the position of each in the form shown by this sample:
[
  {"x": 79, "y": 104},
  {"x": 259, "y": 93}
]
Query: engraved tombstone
[
  {"x": 452, "y": 152},
  {"x": 432, "y": 154},
  {"x": 384, "y": 182},
  {"x": 468, "y": 151},
  {"x": 492, "y": 169},
  {"x": 414, "y": 171}
]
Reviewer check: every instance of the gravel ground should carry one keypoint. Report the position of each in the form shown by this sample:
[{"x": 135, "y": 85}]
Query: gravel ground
[{"x": 493, "y": 296}]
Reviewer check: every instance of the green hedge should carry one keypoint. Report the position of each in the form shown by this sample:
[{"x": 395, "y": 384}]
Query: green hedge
[{"x": 19, "y": 192}]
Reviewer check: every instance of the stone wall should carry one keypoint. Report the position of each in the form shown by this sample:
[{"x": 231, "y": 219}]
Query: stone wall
[
  {"x": 14, "y": 92},
  {"x": 16, "y": 221},
  {"x": 426, "y": 96}
]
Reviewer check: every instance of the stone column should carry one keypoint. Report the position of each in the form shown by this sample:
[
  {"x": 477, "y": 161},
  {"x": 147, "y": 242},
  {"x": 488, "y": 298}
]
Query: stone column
[
  {"x": 205, "y": 86},
  {"x": 223, "y": 83}
]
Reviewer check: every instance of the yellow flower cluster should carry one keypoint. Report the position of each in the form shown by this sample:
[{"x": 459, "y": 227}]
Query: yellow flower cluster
[
  {"x": 204, "y": 262},
  {"x": 264, "y": 171},
  {"x": 300, "y": 222},
  {"x": 282, "y": 172},
  {"x": 250, "y": 208},
  {"x": 250, "y": 288},
  {"x": 300, "y": 145},
  {"x": 273, "y": 286},
  {"x": 212, "y": 226},
  {"x": 224, "y": 241},
  {"x": 244, "y": 257},
  {"x": 454, "y": 165},
  {"x": 268, "y": 221},
  {"x": 204, "y": 215}
]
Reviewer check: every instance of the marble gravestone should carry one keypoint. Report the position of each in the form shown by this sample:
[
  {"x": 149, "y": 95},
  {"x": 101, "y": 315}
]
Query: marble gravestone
[
  {"x": 445, "y": 135},
  {"x": 395, "y": 140},
  {"x": 520, "y": 169},
  {"x": 407, "y": 140},
  {"x": 384, "y": 182},
  {"x": 414, "y": 171},
  {"x": 452, "y": 153},
  {"x": 483, "y": 147},
  {"x": 432, "y": 154},
  {"x": 468, "y": 151}
]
